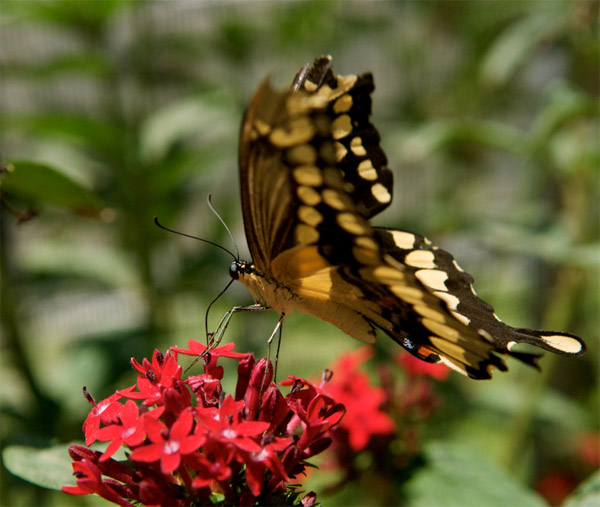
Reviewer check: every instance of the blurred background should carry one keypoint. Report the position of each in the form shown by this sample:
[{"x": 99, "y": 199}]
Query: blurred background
[{"x": 115, "y": 111}]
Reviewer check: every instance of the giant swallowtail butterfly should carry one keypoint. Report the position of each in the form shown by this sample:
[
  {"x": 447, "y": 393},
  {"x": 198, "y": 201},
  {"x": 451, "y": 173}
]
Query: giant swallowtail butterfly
[{"x": 312, "y": 174}]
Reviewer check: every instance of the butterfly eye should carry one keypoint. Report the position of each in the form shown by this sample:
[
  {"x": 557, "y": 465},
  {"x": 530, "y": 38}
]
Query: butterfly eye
[{"x": 234, "y": 271}]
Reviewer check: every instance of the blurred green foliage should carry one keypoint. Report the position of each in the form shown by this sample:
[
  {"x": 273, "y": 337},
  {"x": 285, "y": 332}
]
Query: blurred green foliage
[{"x": 116, "y": 111}]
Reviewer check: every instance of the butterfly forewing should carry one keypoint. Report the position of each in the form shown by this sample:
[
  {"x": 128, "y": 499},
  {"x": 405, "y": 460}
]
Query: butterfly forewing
[
  {"x": 358, "y": 153},
  {"x": 312, "y": 174},
  {"x": 269, "y": 131}
]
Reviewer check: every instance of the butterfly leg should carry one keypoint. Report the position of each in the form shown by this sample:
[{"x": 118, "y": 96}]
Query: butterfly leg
[
  {"x": 216, "y": 336},
  {"x": 211, "y": 341},
  {"x": 278, "y": 329}
]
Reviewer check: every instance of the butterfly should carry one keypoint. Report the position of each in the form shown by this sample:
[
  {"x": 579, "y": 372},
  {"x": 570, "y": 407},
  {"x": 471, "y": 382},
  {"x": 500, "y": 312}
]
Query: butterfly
[{"x": 312, "y": 174}]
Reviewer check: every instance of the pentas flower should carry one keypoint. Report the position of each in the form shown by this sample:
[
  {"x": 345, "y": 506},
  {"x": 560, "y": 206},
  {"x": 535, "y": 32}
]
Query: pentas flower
[
  {"x": 168, "y": 445},
  {"x": 128, "y": 428},
  {"x": 382, "y": 421},
  {"x": 103, "y": 412},
  {"x": 189, "y": 443},
  {"x": 163, "y": 372},
  {"x": 363, "y": 401}
]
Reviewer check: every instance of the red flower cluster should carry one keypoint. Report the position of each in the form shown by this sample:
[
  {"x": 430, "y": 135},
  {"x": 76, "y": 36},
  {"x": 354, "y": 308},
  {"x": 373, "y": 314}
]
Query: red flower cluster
[
  {"x": 352, "y": 387},
  {"x": 382, "y": 423},
  {"x": 189, "y": 443}
]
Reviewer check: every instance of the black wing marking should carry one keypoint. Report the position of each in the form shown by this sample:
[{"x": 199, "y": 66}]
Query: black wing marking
[
  {"x": 359, "y": 156},
  {"x": 438, "y": 272}
]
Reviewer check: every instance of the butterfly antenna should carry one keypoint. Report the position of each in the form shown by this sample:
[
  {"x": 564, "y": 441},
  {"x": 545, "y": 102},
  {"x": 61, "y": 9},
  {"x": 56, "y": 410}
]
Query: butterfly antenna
[
  {"x": 210, "y": 205},
  {"x": 300, "y": 78},
  {"x": 199, "y": 239}
]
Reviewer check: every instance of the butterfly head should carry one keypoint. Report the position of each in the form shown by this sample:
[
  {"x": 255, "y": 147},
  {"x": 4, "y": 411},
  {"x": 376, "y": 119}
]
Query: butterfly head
[{"x": 240, "y": 269}]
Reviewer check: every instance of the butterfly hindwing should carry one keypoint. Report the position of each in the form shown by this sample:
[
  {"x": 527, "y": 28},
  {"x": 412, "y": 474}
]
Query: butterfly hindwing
[{"x": 438, "y": 271}]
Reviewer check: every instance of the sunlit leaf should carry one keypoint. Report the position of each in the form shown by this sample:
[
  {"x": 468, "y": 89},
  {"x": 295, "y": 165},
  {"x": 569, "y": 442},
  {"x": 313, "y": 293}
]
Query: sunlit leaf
[
  {"x": 105, "y": 140},
  {"x": 564, "y": 102},
  {"x": 456, "y": 475},
  {"x": 84, "y": 63},
  {"x": 553, "y": 245},
  {"x": 515, "y": 44},
  {"x": 48, "y": 468},
  {"x": 41, "y": 185},
  {"x": 102, "y": 264},
  {"x": 443, "y": 134},
  {"x": 87, "y": 17},
  {"x": 197, "y": 116},
  {"x": 587, "y": 494}
]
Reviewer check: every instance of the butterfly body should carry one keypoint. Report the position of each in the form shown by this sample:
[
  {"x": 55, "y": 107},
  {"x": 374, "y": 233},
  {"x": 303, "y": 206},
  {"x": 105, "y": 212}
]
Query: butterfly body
[{"x": 312, "y": 174}]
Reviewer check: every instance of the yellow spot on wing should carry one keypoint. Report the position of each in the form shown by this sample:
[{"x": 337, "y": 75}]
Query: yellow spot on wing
[
  {"x": 404, "y": 240},
  {"x": 366, "y": 170},
  {"x": 433, "y": 278},
  {"x": 341, "y": 126},
  {"x": 457, "y": 266},
  {"x": 262, "y": 127},
  {"x": 365, "y": 256},
  {"x": 563, "y": 343},
  {"x": 309, "y": 86},
  {"x": 308, "y": 175},
  {"x": 357, "y": 147},
  {"x": 420, "y": 259},
  {"x": 346, "y": 82},
  {"x": 340, "y": 151},
  {"x": 306, "y": 234},
  {"x": 308, "y": 195},
  {"x": 411, "y": 295},
  {"x": 388, "y": 275},
  {"x": 310, "y": 215},
  {"x": 351, "y": 223},
  {"x": 343, "y": 104},
  {"x": 366, "y": 243},
  {"x": 441, "y": 329},
  {"x": 325, "y": 92},
  {"x": 303, "y": 154},
  {"x": 430, "y": 313},
  {"x": 454, "y": 365},
  {"x": 461, "y": 318},
  {"x": 335, "y": 199},
  {"x": 300, "y": 131},
  {"x": 486, "y": 335},
  {"x": 381, "y": 193},
  {"x": 451, "y": 300}
]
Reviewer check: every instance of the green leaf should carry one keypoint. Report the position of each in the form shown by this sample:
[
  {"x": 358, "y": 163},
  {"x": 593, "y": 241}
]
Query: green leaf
[
  {"x": 88, "y": 18},
  {"x": 107, "y": 141},
  {"x": 441, "y": 134},
  {"x": 515, "y": 44},
  {"x": 41, "y": 185},
  {"x": 59, "y": 256},
  {"x": 458, "y": 475},
  {"x": 49, "y": 468},
  {"x": 209, "y": 116},
  {"x": 553, "y": 245},
  {"x": 563, "y": 103},
  {"x": 86, "y": 63},
  {"x": 587, "y": 494}
]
